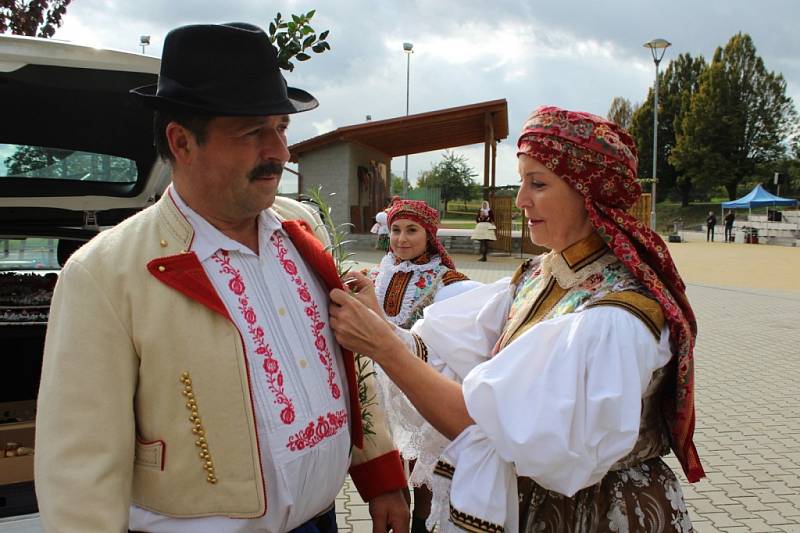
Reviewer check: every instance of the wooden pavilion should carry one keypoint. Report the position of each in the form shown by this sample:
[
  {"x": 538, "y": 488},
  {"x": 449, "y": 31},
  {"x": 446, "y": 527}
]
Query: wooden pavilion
[{"x": 355, "y": 161}]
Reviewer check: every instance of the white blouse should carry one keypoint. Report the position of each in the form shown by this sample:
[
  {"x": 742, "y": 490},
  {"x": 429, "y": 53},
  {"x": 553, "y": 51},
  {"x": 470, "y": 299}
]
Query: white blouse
[{"x": 560, "y": 404}]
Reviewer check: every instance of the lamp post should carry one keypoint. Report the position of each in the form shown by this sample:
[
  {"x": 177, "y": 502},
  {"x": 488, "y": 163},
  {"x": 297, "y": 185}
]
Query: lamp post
[
  {"x": 144, "y": 40},
  {"x": 658, "y": 48},
  {"x": 408, "y": 48}
]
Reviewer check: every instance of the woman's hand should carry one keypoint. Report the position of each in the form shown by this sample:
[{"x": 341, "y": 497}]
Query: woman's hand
[
  {"x": 359, "y": 328},
  {"x": 363, "y": 290}
]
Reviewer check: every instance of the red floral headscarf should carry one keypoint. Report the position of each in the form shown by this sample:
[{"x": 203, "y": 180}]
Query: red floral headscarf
[
  {"x": 598, "y": 159},
  {"x": 425, "y": 216}
]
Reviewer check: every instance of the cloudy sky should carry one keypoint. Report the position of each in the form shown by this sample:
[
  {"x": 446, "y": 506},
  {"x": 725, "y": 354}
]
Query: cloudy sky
[{"x": 575, "y": 54}]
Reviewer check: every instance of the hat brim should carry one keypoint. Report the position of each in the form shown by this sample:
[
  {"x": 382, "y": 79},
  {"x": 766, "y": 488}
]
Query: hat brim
[{"x": 298, "y": 101}]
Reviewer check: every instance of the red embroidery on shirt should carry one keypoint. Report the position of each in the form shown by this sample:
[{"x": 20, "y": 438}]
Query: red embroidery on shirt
[
  {"x": 312, "y": 312},
  {"x": 270, "y": 364},
  {"x": 325, "y": 427}
]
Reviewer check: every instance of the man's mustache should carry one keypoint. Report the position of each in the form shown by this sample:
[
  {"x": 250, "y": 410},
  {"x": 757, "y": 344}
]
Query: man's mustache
[{"x": 270, "y": 168}]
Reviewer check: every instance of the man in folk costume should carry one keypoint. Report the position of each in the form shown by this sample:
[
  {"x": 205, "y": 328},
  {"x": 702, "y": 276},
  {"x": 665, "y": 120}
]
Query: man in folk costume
[
  {"x": 562, "y": 387},
  {"x": 191, "y": 381}
]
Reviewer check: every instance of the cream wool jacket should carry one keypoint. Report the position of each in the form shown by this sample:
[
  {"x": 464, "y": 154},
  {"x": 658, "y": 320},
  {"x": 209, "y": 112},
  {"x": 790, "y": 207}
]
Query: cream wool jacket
[{"x": 114, "y": 426}]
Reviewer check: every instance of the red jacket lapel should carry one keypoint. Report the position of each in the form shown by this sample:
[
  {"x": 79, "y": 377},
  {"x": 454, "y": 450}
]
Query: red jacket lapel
[
  {"x": 321, "y": 261},
  {"x": 184, "y": 273}
]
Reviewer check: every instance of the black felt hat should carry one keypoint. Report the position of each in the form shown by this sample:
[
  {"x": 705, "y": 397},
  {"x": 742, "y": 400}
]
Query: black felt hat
[{"x": 222, "y": 70}]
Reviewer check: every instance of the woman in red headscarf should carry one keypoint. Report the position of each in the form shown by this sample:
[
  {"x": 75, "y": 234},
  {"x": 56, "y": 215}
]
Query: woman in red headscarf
[
  {"x": 562, "y": 388},
  {"x": 416, "y": 272}
]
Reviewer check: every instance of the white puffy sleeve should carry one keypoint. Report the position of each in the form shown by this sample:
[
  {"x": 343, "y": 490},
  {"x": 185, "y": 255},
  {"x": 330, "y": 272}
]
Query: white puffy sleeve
[
  {"x": 454, "y": 289},
  {"x": 414, "y": 437},
  {"x": 461, "y": 332},
  {"x": 563, "y": 401}
]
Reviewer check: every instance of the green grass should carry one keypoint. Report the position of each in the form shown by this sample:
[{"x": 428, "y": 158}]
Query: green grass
[{"x": 693, "y": 216}]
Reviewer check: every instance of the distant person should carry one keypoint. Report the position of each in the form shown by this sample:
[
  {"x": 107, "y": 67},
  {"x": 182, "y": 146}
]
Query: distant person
[
  {"x": 729, "y": 218},
  {"x": 711, "y": 221},
  {"x": 484, "y": 228},
  {"x": 382, "y": 226}
]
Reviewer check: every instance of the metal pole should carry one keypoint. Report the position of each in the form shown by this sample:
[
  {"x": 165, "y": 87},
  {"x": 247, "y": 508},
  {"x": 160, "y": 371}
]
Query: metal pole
[
  {"x": 655, "y": 154},
  {"x": 408, "y": 84}
]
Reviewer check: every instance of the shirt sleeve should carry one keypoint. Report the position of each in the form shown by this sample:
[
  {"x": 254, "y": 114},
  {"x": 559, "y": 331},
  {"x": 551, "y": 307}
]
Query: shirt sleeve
[
  {"x": 563, "y": 401},
  {"x": 461, "y": 331},
  {"x": 454, "y": 289}
]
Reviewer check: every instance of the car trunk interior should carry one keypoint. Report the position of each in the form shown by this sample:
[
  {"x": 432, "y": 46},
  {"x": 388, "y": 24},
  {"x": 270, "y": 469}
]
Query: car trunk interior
[
  {"x": 76, "y": 156},
  {"x": 25, "y": 296}
]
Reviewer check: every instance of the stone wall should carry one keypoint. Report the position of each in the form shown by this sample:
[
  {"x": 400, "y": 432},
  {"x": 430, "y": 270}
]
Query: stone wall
[
  {"x": 335, "y": 167},
  {"x": 330, "y": 167}
]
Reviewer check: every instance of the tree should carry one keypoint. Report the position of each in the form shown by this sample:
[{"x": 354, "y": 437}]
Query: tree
[
  {"x": 676, "y": 85},
  {"x": 34, "y": 18},
  {"x": 39, "y": 162},
  {"x": 397, "y": 185},
  {"x": 294, "y": 37},
  {"x": 452, "y": 175},
  {"x": 739, "y": 118},
  {"x": 621, "y": 112}
]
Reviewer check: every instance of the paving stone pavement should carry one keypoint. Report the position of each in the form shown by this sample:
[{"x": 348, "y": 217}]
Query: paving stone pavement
[{"x": 748, "y": 413}]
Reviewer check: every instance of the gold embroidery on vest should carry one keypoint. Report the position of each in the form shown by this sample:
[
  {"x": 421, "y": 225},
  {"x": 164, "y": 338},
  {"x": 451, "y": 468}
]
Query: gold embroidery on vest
[
  {"x": 643, "y": 307},
  {"x": 584, "y": 252}
]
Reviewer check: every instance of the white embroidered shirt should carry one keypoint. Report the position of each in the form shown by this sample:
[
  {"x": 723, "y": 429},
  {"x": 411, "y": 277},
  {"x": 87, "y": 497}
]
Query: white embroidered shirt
[{"x": 297, "y": 379}]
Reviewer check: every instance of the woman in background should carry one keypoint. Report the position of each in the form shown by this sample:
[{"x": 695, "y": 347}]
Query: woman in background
[
  {"x": 484, "y": 228},
  {"x": 416, "y": 272}
]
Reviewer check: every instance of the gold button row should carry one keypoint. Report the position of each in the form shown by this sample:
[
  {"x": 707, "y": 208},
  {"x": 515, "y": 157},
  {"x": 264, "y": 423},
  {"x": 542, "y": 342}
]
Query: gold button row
[{"x": 197, "y": 428}]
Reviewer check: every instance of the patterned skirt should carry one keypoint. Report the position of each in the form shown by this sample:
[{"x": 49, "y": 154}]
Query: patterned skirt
[{"x": 643, "y": 498}]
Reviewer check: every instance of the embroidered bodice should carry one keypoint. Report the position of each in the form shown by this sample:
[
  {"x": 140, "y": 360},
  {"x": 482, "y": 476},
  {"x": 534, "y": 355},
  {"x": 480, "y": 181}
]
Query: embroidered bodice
[
  {"x": 406, "y": 287},
  {"x": 555, "y": 284}
]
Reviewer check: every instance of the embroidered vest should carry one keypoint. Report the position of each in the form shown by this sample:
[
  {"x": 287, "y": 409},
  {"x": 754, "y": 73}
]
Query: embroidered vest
[
  {"x": 405, "y": 292},
  {"x": 584, "y": 276}
]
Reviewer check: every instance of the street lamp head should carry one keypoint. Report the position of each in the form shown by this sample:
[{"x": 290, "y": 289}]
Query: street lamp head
[
  {"x": 658, "y": 48},
  {"x": 408, "y": 47}
]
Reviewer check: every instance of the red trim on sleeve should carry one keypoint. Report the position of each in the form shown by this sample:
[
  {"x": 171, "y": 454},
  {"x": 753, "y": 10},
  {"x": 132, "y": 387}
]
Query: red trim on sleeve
[{"x": 379, "y": 476}]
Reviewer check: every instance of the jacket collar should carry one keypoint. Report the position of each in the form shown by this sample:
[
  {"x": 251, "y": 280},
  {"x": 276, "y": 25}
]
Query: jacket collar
[
  {"x": 579, "y": 261},
  {"x": 184, "y": 273}
]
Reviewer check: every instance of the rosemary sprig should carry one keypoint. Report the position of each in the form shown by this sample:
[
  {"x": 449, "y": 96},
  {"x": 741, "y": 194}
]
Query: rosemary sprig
[{"x": 341, "y": 258}]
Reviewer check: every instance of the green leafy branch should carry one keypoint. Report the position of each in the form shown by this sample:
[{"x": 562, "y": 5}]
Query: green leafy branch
[
  {"x": 295, "y": 37},
  {"x": 341, "y": 258},
  {"x": 337, "y": 233}
]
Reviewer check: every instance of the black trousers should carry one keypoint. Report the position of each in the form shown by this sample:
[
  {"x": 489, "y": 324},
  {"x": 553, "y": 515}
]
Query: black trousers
[
  {"x": 728, "y": 232},
  {"x": 710, "y": 234},
  {"x": 324, "y": 523}
]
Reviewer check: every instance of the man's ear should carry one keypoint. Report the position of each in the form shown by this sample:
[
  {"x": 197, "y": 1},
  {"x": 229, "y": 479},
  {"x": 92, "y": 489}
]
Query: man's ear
[{"x": 182, "y": 142}]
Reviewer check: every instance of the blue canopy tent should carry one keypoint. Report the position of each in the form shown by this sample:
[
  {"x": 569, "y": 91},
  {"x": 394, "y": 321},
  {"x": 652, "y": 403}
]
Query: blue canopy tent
[{"x": 759, "y": 197}]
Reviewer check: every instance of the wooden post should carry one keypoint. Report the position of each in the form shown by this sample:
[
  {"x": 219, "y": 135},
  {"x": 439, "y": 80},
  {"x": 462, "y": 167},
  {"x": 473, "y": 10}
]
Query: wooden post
[
  {"x": 488, "y": 140},
  {"x": 494, "y": 163}
]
